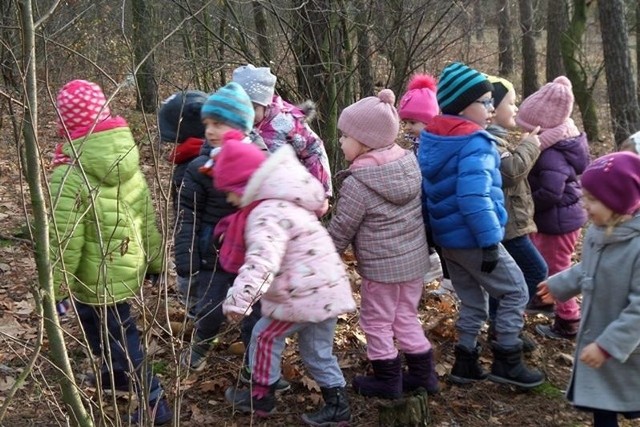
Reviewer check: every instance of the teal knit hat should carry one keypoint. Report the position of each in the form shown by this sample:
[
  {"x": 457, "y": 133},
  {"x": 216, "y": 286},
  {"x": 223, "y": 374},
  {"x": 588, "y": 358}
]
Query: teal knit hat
[
  {"x": 459, "y": 86},
  {"x": 230, "y": 105}
]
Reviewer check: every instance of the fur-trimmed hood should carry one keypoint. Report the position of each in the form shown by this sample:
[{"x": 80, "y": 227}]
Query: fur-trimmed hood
[{"x": 283, "y": 177}]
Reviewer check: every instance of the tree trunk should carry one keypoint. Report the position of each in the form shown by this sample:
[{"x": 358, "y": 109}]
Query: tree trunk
[
  {"x": 557, "y": 19},
  {"x": 638, "y": 48},
  {"x": 529, "y": 54},
  {"x": 411, "y": 411},
  {"x": 505, "y": 42},
  {"x": 365, "y": 69},
  {"x": 478, "y": 19},
  {"x": 144, "y": 70},
  {"x": 570, "y": 44},
  {"x": 623, "y": 99},
  {"x": 70, "y": 395},
  {"x": 262, "y": 32}
]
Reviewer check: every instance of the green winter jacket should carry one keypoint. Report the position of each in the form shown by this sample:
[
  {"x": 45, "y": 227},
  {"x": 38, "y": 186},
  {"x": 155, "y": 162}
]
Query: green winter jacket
[{"x": 104, "y": 225}]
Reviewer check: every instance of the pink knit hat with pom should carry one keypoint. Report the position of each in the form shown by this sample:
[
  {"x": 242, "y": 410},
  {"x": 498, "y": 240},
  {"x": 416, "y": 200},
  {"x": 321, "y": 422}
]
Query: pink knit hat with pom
[
  {"x": 372, "y": 121},
  {"x": 82, "y": 105},
  {"x": 236, "y": 162},
  {"x": 419, "y": 103},
  {"x": 548, "y": 108}
]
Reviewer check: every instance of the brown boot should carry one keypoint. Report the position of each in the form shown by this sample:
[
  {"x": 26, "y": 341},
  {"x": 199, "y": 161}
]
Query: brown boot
[{"x": 560, "y": 329}]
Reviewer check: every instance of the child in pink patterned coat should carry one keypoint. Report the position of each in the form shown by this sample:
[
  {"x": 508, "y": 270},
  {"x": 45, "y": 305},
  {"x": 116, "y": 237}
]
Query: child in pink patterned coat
[
  {"x": 291, "y": 265},
  {"x": 379, "y": 212}
]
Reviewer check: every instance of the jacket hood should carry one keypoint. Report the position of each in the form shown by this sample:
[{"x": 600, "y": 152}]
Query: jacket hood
[
  {"x": 447, "y": 125},
  {"x": 398, "y": 182},
  {"x": 283, "y": 177},
  {"x": 622, "y": 232},
  {"x": 110, "y": 156},
  {"x": 576, "y": 151}
]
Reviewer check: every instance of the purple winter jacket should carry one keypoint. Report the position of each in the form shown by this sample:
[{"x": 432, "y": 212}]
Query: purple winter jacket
[{"x": 555, "y": 186}]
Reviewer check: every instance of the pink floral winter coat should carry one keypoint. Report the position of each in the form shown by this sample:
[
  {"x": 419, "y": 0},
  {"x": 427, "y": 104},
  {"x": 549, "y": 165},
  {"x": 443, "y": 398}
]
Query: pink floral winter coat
[{"x": 291, "y": 262}]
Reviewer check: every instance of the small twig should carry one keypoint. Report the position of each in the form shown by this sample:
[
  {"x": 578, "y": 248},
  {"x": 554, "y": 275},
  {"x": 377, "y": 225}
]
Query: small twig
[{"x": 16, "y": 239}]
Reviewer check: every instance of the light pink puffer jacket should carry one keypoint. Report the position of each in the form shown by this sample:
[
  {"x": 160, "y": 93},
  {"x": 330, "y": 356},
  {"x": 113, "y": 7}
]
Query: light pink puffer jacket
[{"x": 291, "y": 262}]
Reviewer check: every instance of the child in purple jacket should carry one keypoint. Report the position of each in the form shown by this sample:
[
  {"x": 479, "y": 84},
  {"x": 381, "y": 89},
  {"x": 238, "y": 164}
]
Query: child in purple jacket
[{"x": 556, "y": 190}]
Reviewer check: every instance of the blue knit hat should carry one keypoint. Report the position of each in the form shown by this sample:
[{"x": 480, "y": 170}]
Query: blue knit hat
[
  {"x": 459, "y": 86},
  {"x": 231, "y": 105}
]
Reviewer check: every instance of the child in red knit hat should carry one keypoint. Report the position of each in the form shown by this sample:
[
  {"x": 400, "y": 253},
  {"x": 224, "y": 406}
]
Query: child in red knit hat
[
  {"x": 286, "y": 260},
  {"x": 606, "y": 373}
]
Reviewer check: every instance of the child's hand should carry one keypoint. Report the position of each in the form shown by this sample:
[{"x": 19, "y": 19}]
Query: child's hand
[
  {"x": 532, "y": 136},
  {"x": 544, "y": 293},
  {"x": 234, "y": 317},
  {"x": 593, "y": 356}
]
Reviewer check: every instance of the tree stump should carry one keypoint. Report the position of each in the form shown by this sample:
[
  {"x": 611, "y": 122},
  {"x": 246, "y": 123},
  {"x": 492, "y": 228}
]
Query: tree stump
[{"x": 412, "y": 411}]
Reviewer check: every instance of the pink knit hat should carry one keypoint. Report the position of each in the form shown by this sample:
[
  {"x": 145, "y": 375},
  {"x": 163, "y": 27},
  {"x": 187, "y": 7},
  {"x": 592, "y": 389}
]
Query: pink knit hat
[
  {"x": 614, "y": 179},
  {"x": 419, "y": 103},
  {"x": 373, "y": 121},
  {"x": 236, "y": 163},
  {"x": 81, "y": 105},
  {"x": 548, "y": 108}
]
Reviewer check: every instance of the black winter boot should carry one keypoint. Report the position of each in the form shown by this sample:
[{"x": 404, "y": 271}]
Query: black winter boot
[
  {"x": 259, "y": 400},
  {"x": 466, "y": 368},
  {"x": 528, "y": 344},
  {"x": 386, "y": 381},
  {"x": 421, "y": 373},
  {"x": 509, "y": 368},
  {"x": 560, "y": 329},
  {"x": 334, "y": 413}
]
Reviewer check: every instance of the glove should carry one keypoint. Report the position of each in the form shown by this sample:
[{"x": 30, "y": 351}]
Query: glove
[
  {"x": 490, "y": 256},
  {"x": 63, "y": 306}
]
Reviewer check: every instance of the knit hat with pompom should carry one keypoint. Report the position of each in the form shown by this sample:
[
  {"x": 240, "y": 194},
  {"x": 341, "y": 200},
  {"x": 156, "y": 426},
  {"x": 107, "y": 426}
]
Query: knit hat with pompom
[
  {"x": 372, "y": 121},
  {"x": 548, "y": 107},
  {"x": 419, "y": 103}
]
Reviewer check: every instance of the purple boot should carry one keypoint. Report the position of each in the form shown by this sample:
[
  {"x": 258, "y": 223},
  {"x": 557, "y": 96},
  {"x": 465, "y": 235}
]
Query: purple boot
[
  {"x": 421, "y": 373},
  {"x": 386, "y": 381}
]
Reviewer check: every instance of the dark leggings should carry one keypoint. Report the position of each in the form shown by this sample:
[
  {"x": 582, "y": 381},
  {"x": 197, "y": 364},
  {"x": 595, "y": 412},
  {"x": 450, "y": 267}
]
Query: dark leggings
[{"x": 603, "y": 418}]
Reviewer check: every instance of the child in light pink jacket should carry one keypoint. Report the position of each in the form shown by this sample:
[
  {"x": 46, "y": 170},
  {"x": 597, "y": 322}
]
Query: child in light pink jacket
[{"x": 291, "y": 265}]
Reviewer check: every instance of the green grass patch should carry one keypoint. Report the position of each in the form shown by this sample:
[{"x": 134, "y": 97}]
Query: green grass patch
[
  {"x": 549, "y": 390},
  {"x": 160, "y": 367}
]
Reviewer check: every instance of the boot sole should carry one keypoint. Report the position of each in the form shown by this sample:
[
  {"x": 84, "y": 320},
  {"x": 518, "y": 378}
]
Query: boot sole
[
  {"x": 526, "y": 386},
  {"x": 547, "y": 332},
  {"x": 464, "y": 381},
  {"x": 326, "y": 424}
]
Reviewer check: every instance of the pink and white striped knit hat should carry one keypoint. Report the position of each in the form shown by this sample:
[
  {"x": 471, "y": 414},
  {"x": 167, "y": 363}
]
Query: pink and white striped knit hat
[{"x": 81, "y": 105}]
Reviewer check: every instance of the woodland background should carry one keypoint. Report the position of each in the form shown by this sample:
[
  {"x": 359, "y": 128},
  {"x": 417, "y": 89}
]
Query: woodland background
[{"x": 331, "y": 51}]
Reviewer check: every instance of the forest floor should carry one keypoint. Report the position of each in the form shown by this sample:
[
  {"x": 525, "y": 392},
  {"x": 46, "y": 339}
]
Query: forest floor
[{"x": 199, "y": 396}]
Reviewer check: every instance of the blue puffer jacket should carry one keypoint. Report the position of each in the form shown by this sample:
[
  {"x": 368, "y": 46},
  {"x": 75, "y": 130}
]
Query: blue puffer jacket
[{"x": 461, "y": 184}]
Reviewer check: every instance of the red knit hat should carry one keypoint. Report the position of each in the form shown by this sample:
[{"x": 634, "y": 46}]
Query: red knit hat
[
  {"x": 419, "y": 103},
  {"x": 614, "y": 179},
  {"x": 81, "y": 105},
  {"x": 236, "y": 162}
]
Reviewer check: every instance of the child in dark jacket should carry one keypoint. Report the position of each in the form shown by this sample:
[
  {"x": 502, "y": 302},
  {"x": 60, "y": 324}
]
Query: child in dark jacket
[
  {"x": 556, "y": 190},
  {"x": 179, "y": 122},
  {"x": 462, "y": 187},
  {"x": 202, "y": 206}
]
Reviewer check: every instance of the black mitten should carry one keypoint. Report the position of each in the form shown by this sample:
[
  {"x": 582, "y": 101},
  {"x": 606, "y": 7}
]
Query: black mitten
[{"x": 490, "y": 257}]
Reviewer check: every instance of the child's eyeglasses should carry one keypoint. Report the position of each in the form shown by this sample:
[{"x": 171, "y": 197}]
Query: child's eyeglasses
[{"x": 486, "y": 103}]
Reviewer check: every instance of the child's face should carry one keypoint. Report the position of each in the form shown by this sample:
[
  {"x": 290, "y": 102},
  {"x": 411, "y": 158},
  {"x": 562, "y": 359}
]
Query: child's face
[
  {"x": 480, "y": 111},
  {"x": 234, "y": 198},
  {"x": 505, "y": 113},
  {"x": 413, "y": 127},
  {"x": 598, "y": 213},
  {"x": 260, "y": 111},
  {"x": 213, "y": 131},
  {"x": 351, "y": 147}
]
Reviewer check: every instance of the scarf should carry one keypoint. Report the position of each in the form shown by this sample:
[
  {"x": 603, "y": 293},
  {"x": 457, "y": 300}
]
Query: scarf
[
  {"x": 231, "y": 229},
  {"x": 186, "y": 151},
  {"x": 565, "y": 130}
]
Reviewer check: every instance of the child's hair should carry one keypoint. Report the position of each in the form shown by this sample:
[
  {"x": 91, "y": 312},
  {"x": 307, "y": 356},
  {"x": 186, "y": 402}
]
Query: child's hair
[
  {"x": 631, "y": 144},
  {"x": 419, "y": 103},
  {"x": 501, "y": 87},
  {"x": 459, "y": 86},
  {"x": 259, "y": 83},
  {"x": 81, "y": 105},
  {"x": 179, "y": 116},
  {"x": 230, "y": 105},
  {"x": 373, "y": 121},
  {"x": 614, "y": 179}
]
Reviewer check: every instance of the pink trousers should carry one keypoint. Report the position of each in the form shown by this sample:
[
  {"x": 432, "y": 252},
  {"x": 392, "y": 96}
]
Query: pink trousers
[
  {"x": 557, "y": 251},
  {"x": 389, "y": 310}
]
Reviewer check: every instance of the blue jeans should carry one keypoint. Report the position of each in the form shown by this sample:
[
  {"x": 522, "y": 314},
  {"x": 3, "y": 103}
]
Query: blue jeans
[
  {"x": 121, "y": 350},
  {"x": 530, "y": 261},
  {"x": 213, "y": 287}
]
